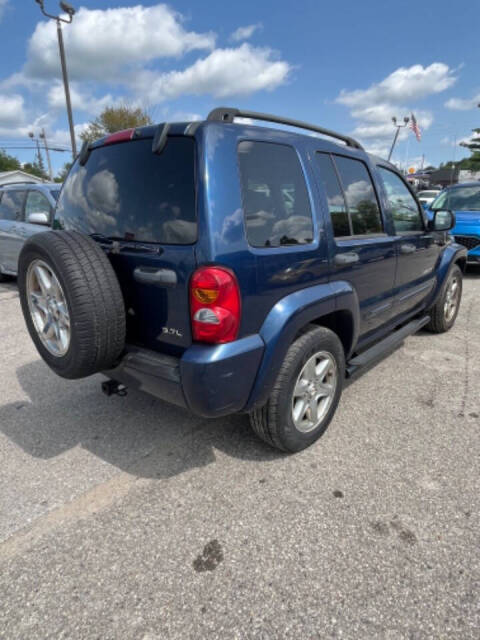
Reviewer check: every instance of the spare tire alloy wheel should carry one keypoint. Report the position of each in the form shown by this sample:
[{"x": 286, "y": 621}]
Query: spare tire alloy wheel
[
  {"x": 48, "y": 308},
  {"x": 72, "y": 303}
]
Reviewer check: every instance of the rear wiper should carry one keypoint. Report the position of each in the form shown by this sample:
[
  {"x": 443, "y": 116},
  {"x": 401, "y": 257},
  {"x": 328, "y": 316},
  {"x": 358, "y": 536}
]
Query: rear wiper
[
  {"x": 99, "y": 237},
  {"x": 136, "y": 247},
  {"x": 117, "y": 244}
]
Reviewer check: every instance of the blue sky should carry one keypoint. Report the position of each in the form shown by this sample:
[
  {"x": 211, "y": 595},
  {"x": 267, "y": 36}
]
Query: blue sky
[{"x": 346, "y": 65}]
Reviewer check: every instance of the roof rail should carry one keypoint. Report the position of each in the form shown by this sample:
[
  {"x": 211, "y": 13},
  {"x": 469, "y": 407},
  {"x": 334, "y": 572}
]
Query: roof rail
[
  {"x": 7, "y": 184},
  {"x": 228, "y": 114}
]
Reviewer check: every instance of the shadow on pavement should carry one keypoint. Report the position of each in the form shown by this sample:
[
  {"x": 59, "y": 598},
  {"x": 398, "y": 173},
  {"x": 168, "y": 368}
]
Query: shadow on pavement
[{"x": 138, "y": 434}]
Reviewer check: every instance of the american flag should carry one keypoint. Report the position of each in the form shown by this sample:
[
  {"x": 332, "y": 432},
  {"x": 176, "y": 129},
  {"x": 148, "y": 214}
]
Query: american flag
[{"x": 415, "y": 128}]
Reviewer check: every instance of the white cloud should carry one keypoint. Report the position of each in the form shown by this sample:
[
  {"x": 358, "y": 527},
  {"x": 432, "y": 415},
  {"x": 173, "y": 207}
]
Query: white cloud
[
  {"x": 100, "y": 42},
  {"x": 244, "y": 33},
  {"x": 225, "y": 72},
  {"x": 12, "y": 112},
  {"x": 80, "y": 100},
  {"x": 450, "y": 141},
  {"x": 384, "y": 128},
  {"x": 463, "y": 104},
  {"x": 3, "y": 4},
  {"x": 395, "y": 96},
  {"x": 404, "y": 84}
]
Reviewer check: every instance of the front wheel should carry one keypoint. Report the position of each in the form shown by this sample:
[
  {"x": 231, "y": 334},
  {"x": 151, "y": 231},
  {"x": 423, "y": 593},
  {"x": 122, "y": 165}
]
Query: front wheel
[
  {"x": 444, "y": 312},
  {"x": 306, "y": 392}
]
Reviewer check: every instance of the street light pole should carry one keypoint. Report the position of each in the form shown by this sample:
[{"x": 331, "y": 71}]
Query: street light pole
[
  {"x": 406, "y": 120},
  {"x": 47, "y": 152},
  {"x": 67, "y": 88},
  {"x": 32, "y": 136},
  {"x": 70, "y": 11}
]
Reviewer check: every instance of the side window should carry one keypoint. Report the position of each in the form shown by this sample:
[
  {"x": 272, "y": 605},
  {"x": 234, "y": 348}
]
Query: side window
[
  {"x": 335, "y": 198},
  {"x": 405, "y": 212},
  {"x": 11, "y": 205},
  {"x": 275, "y": 198},
  {"x": 362, "y": 203},
  {"x": 36, "y": 203}
]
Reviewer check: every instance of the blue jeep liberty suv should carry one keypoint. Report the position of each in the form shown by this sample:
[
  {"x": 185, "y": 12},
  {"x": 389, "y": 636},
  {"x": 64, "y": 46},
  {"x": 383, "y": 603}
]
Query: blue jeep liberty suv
[{"x": 227, "y": 267}]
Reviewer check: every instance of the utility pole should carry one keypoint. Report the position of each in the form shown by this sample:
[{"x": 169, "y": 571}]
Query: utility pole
[
  {"x": 454, "y": 156},
  {"x": 39, "y": 154},
  {"x": 47, "y": 152},
  {"x": 406, "y": 120},
  {"x": 70, "y": 11}
]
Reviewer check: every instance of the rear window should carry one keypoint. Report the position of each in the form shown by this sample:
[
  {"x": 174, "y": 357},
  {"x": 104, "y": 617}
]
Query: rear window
[{"x": 126, "y": 192}]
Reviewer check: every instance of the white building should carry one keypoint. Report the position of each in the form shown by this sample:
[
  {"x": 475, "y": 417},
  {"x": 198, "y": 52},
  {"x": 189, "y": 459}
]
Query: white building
[{"x": 17, "y": 175}]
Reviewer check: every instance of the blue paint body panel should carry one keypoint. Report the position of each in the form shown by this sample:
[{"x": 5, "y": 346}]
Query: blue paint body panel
[{"x": 283, "y": 288}]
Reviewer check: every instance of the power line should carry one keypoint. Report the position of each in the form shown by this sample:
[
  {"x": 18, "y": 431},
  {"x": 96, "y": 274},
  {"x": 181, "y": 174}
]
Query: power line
[{"x": 4, "y": 146}]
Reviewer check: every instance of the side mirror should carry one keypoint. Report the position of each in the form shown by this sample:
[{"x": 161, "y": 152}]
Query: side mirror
[
  {"x": 38, "y": 218},
  {"x": 443, "y": 220}
]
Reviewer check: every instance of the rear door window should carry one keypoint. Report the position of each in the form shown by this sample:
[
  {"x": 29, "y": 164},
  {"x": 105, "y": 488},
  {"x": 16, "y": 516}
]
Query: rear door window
[
  {"x": 363, "y": 209},
  {"x": 11, "y": 205},
  {"x": 335, "y": 198},
  {"x": 275, "y": 197},
  {"x": 126, "y": 192}
]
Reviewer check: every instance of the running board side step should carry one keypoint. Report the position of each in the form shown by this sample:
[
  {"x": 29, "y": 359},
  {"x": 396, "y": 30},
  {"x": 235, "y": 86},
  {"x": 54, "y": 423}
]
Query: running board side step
[{"x": 379, "y": 350}]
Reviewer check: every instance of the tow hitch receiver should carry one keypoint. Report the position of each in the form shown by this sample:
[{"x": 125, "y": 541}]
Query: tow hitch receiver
[{"x": 112, "y": 387}]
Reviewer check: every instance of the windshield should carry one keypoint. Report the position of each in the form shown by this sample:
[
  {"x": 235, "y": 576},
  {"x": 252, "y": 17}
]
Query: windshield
[
  {"x": 126, "y": 192},
  {"x": 459, "y": 199}
]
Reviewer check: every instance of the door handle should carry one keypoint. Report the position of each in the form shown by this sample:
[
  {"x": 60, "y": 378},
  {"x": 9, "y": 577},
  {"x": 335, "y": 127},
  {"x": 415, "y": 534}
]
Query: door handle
[
  {"x": 342, "y": 259},
  {"x": 160, "y": 277},
  {"x": 408, "y": 248}
]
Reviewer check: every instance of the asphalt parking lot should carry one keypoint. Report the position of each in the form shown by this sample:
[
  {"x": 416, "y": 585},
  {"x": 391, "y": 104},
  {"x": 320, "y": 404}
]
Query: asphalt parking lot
[{"x": 128, "y": 518}]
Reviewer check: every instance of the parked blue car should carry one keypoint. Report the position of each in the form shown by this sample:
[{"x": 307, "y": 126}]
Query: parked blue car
[
  {"x": 227, "y": 267},
  {"x": 464, "y": 201}
]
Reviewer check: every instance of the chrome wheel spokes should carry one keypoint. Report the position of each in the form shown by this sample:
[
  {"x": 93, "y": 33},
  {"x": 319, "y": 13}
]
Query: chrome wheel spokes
[
  {"x": 451, "y": 299},
  {"x": 48, "y": 308},
  {"x": 314, "y": 391}
]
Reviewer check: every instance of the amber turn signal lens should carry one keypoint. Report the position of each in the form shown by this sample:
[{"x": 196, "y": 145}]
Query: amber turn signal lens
[{"x": 205, "y": 296}]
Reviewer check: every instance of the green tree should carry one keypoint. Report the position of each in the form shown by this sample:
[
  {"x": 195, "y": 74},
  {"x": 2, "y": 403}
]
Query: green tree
[
  {"x": 62, "y": 174},
  {"x": 473, "y": 162},
  {"x": 8, "y": 162},
  {"x": 36, "y": 169},
  {"x": 114, "y": 119}
]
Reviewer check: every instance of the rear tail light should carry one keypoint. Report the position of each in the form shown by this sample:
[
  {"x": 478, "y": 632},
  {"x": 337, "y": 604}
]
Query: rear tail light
[{"x": 215, "y": 305}]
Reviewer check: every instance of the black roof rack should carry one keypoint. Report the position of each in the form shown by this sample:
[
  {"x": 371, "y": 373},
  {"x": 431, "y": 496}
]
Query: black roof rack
[
  {"x": 228, "y": 114},
  {"x": 7, "y": 184}
]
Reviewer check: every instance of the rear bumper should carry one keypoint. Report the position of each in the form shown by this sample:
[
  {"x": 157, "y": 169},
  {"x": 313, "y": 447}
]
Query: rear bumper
[{"x": 208, "y": 380}]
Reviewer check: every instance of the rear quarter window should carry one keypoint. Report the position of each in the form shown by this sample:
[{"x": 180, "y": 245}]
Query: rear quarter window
[
  {"x": 275, "y": 197},
  {"x": 126, "y": 192}
]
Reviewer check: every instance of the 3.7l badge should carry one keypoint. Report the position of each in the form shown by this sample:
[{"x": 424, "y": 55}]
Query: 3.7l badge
[{"x": 170, "y": 331}]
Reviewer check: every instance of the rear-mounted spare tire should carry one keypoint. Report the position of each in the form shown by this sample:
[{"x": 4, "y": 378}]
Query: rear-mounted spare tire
[{"x": 72, "y": 303}]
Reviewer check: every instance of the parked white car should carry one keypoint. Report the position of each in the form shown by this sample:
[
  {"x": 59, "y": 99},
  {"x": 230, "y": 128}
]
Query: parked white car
[{"x": 427, "y": 197}]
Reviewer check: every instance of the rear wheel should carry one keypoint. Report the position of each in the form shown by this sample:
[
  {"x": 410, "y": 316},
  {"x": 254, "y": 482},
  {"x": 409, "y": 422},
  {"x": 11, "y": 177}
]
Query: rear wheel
[
  {"x": 306, "y": 392},
  {"x": 72, "y": 303},
  {"x": 444, "y": 312}
]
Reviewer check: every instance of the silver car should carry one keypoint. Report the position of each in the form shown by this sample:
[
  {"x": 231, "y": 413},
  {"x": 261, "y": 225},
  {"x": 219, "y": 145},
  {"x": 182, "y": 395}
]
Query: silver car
[{"x": 25, "y": 209}]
